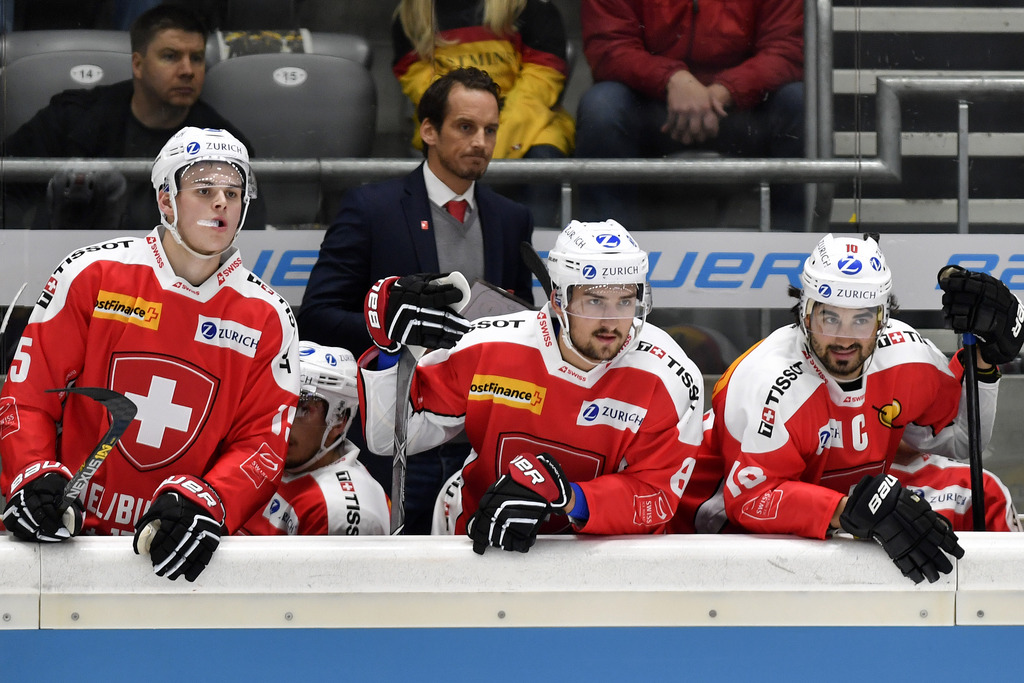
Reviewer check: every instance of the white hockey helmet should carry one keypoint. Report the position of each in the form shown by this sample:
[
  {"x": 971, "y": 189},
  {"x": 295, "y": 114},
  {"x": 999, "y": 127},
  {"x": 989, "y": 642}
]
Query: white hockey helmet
[
  {"x": 848, "y": 272},
  {"x": 329, "y": 373},
  {"x": 595, "y": 255},
  {"x": 189, "y": 146}
]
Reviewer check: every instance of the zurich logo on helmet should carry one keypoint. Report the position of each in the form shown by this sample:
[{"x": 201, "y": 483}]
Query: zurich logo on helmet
[
  {"x": 825, "y": 291},
  {"x": 331, "y": 360},
  {"x": 192, "y": 148},
  {"x": 306, "y": 351},
  {"x": 849, "y": 265},
  {"x": 209, "y": 330},
  {"x": 608, "y": 241},
  {"x": 589, "y": 272},
  {"x": 590, "y": 412},
  {"x": 876, "y": 264}
]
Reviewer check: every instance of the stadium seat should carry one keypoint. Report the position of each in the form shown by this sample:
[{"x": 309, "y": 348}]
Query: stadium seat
[
  {"x": 18, "y": 44},
  {"x": 296, "y": 106},
  {"x": 29, "y": 82}
]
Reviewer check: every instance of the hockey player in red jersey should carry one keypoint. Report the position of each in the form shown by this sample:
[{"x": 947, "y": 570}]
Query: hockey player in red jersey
[
  {"x": 176, "y": 323},
  {"x": 809, "y": 419},
  {"x": 579, "y": 411},
  {"x": 325, "y": 489},
  {"x": 946, "y": 485}
]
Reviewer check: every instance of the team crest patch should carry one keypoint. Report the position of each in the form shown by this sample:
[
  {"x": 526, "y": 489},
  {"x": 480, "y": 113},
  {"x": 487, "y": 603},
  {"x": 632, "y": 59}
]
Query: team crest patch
[
  {"x": 651, "y": 510},
  {"x": 765, "y": 506},
  {"x": 262, "y": 466},
  {"x": 888, "y": 414}
]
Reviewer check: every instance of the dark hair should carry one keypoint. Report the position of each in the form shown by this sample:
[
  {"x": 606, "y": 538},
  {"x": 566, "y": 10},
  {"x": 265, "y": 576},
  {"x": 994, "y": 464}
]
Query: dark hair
[
  {"x": 433, "y": 105},
  {"x": 161, "y": 18}
]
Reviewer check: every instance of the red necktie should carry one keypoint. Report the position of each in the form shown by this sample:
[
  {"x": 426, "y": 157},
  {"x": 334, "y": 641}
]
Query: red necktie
[{"x": 457, "y": 208}]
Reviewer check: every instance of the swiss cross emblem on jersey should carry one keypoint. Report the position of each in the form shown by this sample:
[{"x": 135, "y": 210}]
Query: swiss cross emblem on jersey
[
  {"x": 768, "y": 415},
  {"x": 174, "y": 398}
]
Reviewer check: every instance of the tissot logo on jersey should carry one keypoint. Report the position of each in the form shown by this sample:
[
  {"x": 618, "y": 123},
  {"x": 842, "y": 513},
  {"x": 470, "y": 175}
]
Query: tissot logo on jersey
[
  {"x": 674, "y": 365},
  {"x": 899, "y": 337},
  {"x": 127, "y": 309},
  {"x": 228, "y": 334},
  {"x": 606, "y": 411},
  {"x": 508, "y": 391},
  {"x": 353, "y": 512},
  {"x": 775, "y": 394}
]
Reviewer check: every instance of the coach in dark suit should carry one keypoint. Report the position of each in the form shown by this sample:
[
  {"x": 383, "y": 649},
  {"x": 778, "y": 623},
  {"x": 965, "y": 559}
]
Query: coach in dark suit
[{"x": 436, "y": 219}]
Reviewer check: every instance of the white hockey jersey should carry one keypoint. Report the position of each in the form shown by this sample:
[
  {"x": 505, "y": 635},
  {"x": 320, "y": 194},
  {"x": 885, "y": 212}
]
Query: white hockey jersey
[
  {"x": 339, "y": 498},
  {"x": 627, "y": 432}
]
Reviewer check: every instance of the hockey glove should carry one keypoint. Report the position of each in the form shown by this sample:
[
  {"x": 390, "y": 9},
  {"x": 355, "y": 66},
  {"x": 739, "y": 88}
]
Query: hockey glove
[
  {"x": 414, "y": 310},
  {"x": 182, "y": 527},
  {"x": 904, "y": 524},
  {"x": 979, "y": 303},
  {"x": 514, "y": 507},
  {"x": 32, "y": 511}
]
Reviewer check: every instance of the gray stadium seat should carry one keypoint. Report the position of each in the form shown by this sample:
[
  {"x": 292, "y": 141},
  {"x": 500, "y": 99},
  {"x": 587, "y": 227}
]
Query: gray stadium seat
[
  {"x": 294, "y": 106},
  {"x": 17, "y": 44},
  {"x": 28, "y": 83}
]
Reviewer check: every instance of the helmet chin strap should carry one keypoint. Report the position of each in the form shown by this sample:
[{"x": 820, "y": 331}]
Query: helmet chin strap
[
  {"x": 631, "y": 341},
  {"x": 173, "y": 227}
]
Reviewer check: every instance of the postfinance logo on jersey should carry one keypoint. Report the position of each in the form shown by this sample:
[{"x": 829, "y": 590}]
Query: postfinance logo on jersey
[
  {"x": 508, "y": 391},
  {"x": 128, "y": 309}
]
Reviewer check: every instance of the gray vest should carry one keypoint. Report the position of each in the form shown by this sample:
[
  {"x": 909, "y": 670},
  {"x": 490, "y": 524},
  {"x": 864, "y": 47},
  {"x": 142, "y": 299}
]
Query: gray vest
[{"x": 460, "y": 246}]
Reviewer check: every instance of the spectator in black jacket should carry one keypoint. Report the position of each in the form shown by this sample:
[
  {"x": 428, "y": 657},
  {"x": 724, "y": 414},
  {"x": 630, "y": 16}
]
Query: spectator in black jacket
[{"x": 130, "y": 119}]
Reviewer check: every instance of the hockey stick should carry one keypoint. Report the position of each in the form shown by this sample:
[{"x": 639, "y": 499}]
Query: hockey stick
[
  {"x": 536, "y": 265},
  {"x": 122, "y": 411},
  {"x": 974, "y": 433},
  {"x": 403, "y": 385},
  {"x": 10, "y": 310}
]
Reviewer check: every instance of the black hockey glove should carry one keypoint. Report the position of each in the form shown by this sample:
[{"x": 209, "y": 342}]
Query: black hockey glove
[
  {"x": 31, "y": 513},
  {"x": 904, "y": 524},
  {"x": 414, "y": 310},
  {"x": 182, "y": 527},
  {"x": 514, "y": 507},
  {"x": 979, "y": 303}
]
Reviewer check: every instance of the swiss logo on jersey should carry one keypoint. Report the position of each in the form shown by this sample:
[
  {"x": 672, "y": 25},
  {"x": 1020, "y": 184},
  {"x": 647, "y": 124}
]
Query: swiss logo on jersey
[
  {"x": 263, "y": 465},
  {"x": 651, "y": 510},
  {"x": 175, "y": 399},
  {"x": 9, "y": 422},
  {"x": 765, "y": 506}
]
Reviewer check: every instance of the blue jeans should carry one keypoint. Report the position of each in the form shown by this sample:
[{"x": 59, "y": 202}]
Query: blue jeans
[{"x": 615, "y": 121}]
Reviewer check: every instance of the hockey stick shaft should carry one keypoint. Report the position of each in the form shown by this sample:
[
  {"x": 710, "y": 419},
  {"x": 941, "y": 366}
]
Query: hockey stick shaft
[
  {"x": 403, "y": 386},
  {"x": 974, "y": 432},
  {"x": 536, "y": 265},
  {"x": 122, "y": 411},
  {"x": 10, "y": 310}
]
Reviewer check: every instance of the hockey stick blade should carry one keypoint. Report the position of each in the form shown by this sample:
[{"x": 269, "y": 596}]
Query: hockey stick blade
[
  {"x": 122, "y": 411},
  {"x": 10, "y": 310},
  {"x": 536, "y": 265}
]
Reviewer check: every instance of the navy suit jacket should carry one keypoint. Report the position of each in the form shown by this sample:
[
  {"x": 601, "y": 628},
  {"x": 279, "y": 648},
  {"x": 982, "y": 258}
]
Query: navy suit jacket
[{"x": 378, "y": 233}]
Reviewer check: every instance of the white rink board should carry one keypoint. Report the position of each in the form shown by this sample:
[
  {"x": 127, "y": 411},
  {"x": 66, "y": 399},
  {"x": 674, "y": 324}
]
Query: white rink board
[
  {"x": 690, "y": 269},
  {"x": 438, "y": 582}
]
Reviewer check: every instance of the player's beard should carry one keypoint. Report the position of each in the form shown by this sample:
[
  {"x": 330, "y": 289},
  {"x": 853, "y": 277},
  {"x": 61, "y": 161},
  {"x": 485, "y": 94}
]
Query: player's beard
[
  {"x": 842, "y": 369},
  {"x": 595, "y": 351}
]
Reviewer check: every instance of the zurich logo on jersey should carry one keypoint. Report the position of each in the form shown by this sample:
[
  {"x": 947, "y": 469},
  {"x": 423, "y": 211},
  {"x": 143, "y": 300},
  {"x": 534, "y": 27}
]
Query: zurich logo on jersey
[
  {"x": 208, "y": 330},
  {"x": 275, "y": 505},
  {"x": 849, "y": 265},
  {"x": 825, "y": 291},
  {"x": 589, "y": 272},
  {"x": 608, "y": 241},
  {"x": 192, "y": 148},
  {"x": 591, "y": 412}
]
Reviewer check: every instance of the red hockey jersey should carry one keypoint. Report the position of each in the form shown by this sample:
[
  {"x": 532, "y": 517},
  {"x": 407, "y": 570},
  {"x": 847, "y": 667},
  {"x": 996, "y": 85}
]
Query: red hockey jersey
[
  {"x": 794, "y": 442},
  {"x": 946, "y": 485},
  {"x": 340, "y": 498},
  {"x": 627, "y": 432},
  {"x": 213, "y": 370}
]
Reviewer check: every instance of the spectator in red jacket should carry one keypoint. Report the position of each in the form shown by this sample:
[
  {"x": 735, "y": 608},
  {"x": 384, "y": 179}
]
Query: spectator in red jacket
[{"x": 718, "y": 75}]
